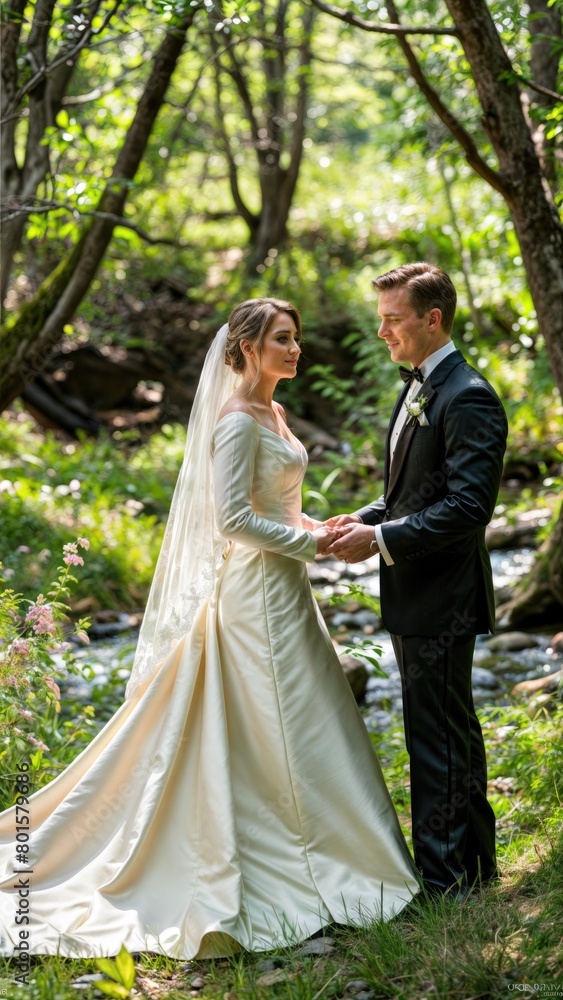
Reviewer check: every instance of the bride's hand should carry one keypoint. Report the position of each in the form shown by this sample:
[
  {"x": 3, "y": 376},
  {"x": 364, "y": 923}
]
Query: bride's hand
[
  {"x": 339, "y": 520},
  {"x": 325, "y": 537}
]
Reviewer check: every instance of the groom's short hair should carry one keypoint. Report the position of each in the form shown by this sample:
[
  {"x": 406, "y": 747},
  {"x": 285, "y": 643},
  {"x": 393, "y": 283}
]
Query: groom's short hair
[{"x": 429, "y": 287}]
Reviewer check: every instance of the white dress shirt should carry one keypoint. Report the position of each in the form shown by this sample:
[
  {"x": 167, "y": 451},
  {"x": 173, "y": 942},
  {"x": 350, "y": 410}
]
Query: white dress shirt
[{"x": 427, "y": 366}]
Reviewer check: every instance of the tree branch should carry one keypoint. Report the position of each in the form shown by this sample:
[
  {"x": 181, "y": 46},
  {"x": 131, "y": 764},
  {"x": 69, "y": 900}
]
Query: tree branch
[
  {"x": 296, "y": 151},
  {"x": 235, "y": 73},
  {"x": 381, "y": 28},
  {"x": 242, "y": 208},
  {"x": 538, "y": 88},
  {"x": 466, "y": 141},
  {"x": 69, "y": 54},
  {"x": 26, "y": 337},
  {"x": 42, "y": 206}
]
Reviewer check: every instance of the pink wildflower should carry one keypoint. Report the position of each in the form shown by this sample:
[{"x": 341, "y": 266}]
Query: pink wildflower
[
  {"x": 24, "y": 549},
  {"x": 71, "y": 559},
  {"x": 37, "y": 743},
  {"x": 26, "y": 713},
  {"x": 20, "y": 647},
  {"x": 84, "y": 543},
  {"x": 40, "y": 617},
  {"x": 85, "y": 638},
  {"x": 54, "y": 687}
]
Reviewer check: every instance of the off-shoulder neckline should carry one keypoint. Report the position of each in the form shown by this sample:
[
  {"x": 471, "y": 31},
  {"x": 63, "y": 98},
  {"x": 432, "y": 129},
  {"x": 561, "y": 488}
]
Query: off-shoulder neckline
[{"x": 236, "y": 413}]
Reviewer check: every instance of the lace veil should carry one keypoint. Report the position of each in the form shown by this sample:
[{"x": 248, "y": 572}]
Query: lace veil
[{"x": 190, "y": 556}]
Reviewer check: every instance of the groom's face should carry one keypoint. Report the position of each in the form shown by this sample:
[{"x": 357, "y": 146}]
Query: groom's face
[{"x": 409, "y": 337}]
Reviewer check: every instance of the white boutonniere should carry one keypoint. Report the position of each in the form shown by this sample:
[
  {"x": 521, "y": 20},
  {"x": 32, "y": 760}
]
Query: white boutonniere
[{"x": 415, "y": 409}]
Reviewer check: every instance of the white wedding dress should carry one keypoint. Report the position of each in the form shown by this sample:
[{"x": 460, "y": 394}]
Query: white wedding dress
[{"x": 235, "y": 799}]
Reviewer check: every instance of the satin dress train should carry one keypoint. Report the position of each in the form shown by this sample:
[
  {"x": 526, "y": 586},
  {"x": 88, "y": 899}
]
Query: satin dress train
[{"x": 235, "y": 801}]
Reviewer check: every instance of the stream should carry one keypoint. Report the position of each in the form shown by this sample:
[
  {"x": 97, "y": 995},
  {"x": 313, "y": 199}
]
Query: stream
[{"x": 495, "y": 672}]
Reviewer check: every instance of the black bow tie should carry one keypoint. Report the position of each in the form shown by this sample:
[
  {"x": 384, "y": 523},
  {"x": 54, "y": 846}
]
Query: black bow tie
[{"x": 408, "y": 374}]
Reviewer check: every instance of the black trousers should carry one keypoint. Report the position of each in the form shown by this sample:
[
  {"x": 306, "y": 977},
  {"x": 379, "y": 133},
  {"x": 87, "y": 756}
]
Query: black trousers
[{"x": 453, "y": 824}]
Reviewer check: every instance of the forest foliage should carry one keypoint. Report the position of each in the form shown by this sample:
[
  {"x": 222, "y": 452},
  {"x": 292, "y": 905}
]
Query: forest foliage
[{"x": 290, "y": 154}]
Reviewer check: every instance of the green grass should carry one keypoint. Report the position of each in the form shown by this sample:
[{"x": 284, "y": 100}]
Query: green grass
[
  {"x": 501, "y": 938},
  {"x": 114, "y": 494},
  {"x": 507, "y": 935}
]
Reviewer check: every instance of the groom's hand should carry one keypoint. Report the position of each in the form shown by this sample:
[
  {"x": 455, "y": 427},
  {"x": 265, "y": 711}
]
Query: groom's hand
[
  {"x": 355, "y": 542},
  {"x": 339, "y": 520}
]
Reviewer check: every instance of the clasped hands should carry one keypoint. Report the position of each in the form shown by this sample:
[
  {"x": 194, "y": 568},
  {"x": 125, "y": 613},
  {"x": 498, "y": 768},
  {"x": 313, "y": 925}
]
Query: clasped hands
[{"x": 345, "y": 537}]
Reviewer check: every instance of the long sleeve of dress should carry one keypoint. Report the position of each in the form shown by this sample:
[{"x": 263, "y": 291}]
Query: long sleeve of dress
[{"x": 235, "y": 444}]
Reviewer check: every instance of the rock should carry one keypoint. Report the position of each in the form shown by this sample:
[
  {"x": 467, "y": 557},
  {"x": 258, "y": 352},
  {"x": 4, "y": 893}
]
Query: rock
[
  {"x": 511, "y": 642},
  {"x": 484, "y": 678},
  {"x": 90, "y": 977},
  {"x": 356, "y": 986},
  {"x": 510, "y": 536},
  {"x": 503, "y": 595},
  {"x": 107, "y": 615},
  {"x": 198, "y": 983},
  {"x": 356, "y": 674},
  {"x": 316, "y": 946},
  {"x": 84, "y": 605},
  {"x": 356, "y": 619},
  {"x": 505, "y": 666},
  {"x": 108, "y": 628},
  {"x": 499, "y": 534},
  {"x": 547, "y": 684},
  {"x": 557, "y": 643},
  {"x": 271, "y": 978},
  {"x": 269, "y": 964}
]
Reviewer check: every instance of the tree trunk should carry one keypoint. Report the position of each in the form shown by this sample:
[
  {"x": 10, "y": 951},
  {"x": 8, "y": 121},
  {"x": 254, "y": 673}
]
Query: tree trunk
[
  {"x": 539, "y": 598},
  {"x": 539, "y": 232},
  {"x": 268, "y": 124},
  {"x": 27, "y": 340},
  {"x": 545, "y": 30},
  {"x": 20, "y": 184},
  {"x": 524, "y": 186}
]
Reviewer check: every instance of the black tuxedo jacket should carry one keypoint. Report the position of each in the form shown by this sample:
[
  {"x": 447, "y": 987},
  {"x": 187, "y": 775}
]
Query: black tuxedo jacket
[{"x": 440, "y": 493}]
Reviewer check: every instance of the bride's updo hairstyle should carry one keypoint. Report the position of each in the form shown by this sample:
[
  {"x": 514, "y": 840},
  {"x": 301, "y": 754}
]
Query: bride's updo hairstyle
[{"x": 250, "y": 321}]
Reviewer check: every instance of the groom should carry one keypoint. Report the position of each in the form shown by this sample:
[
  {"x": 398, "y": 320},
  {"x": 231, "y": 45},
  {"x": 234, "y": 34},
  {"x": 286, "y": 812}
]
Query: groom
[{"x": 443, "y": 465}]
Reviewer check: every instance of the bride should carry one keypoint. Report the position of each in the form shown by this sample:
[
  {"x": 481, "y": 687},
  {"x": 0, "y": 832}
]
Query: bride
[{"x": 234, "y": 800}]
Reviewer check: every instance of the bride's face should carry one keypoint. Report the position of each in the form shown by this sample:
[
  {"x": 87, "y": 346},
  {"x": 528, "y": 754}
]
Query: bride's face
[{"x": 280, "y": 348}]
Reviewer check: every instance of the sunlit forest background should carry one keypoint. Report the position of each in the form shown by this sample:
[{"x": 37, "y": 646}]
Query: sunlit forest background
[
  {"x": 163, "y": 161},
  {"x": 171, "y": 162}
]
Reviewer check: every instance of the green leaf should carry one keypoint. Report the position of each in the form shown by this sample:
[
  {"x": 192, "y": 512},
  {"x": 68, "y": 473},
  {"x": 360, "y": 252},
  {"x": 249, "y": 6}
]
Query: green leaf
[
  {"x": 126, "y": 967},
  {"x": 316, "y": 496},
  {"x": 113, "y": 990},
  {"x": 108, "y": 968}
]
